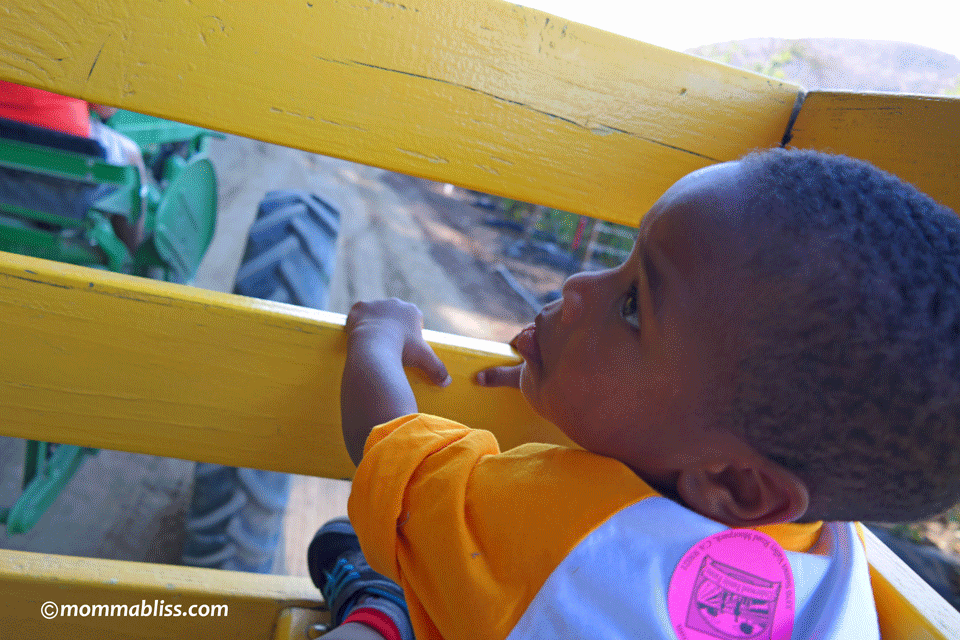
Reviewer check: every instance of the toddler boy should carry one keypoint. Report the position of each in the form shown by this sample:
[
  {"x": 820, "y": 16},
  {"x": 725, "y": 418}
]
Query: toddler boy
[{"x": 778, "y": 357}]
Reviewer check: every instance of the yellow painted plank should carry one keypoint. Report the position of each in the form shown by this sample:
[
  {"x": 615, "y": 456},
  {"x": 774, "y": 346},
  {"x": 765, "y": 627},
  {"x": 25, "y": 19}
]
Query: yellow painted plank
[
  {"x": 907, "y": 607},
  {"x": 915, "y": 137},
  {"x": 295, "y": 623},
  {"x": 488, "y": 95},
  {"x": 28, "y": 581},
  {"x": 112, "y": 361}
]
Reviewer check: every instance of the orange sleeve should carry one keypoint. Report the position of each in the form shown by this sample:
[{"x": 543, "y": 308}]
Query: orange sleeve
[{"x": 471, "y": 533}]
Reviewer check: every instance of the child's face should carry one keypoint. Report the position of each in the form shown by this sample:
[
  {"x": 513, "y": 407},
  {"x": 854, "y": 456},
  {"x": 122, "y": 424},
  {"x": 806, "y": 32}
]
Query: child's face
[{"x": 618, "y": 363}]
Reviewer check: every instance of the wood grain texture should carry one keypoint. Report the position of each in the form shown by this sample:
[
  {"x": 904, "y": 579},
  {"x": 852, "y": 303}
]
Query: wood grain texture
[
  {"x": 908, "y": 608},
  {"x": 295, "y": 623},
  {"x": 915, "y": 137},
  {"x": 254, "y": 602},
  {"x": 117, "y": 362},
  {"x": 113, "y": 361},
  {"x": 490, "y": 96}
]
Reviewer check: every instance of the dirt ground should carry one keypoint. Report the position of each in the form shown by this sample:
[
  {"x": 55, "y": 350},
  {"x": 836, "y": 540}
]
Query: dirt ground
[{"x": 400, "y": 236}]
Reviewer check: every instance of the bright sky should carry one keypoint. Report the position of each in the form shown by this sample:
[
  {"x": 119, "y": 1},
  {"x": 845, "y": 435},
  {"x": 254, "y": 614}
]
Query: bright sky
[{"x": 681, "y": 24}]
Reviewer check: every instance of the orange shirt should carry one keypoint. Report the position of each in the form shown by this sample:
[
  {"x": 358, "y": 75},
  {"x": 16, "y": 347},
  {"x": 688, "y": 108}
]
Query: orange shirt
[
  {"x": 44, "y": 109},
  {"x": 520, "y": 544}
]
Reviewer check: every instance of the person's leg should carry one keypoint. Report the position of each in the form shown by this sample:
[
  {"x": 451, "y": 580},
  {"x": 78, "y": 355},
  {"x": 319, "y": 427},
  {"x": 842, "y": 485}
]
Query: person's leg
[
  {"x": 356, "y": 595},
  {"x": 121, "y": 150}
]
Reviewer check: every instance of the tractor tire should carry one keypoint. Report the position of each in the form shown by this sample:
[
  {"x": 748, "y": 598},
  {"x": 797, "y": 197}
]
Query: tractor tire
[
  {"x": 291, "y": 250},
  {"x": 235, "y": 517}
]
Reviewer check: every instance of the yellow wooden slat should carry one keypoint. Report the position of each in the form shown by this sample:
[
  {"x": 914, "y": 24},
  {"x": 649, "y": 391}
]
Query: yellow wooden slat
[
  {"x": 117, "y": 362},
  {"x": 915, "y": 137},
  {"x": 907, "y": 607},
  {"x": 113, "y": 361},
  {"x": 488, "y": 95},
  {"x": 295, "y": 623},
  {"x": 254, "y": 602}
]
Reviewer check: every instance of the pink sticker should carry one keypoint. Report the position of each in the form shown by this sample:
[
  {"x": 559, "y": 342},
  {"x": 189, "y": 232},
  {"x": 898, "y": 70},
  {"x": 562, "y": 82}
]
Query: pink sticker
[{"x": 733, "y": 585}]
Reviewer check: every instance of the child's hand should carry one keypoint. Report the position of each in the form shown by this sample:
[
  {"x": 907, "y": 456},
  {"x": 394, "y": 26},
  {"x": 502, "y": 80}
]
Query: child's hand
[
  {"x": 501, "y": 376},
  {"x": 384, "y": 336},
  {"x": 394, "y": 328}
]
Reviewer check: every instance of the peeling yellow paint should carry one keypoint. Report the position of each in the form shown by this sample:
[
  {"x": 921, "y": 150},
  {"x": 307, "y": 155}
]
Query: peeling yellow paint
[
  {"x": 423, "y": 156},
  {"x": 426, "y": 91},
  {"x": 152, "y": 367}
]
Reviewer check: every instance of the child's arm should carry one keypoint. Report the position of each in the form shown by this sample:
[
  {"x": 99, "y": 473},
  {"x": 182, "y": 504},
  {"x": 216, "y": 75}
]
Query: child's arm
[{"x": 384, "y": 337}]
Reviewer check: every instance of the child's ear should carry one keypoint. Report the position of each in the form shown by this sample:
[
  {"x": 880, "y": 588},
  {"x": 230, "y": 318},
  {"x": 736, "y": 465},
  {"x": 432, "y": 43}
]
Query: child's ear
[{"x": 744, "y": 493}]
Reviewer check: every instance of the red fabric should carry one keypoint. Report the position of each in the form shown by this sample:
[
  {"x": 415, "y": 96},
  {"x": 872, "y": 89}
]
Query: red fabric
[
  {"x": 44, "y": 109},
  {"x": 376, "y": 620}
]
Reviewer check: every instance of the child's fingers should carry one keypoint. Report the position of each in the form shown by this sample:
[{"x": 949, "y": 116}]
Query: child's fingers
[
  {"x": 419, "y": 354},
  {"x": 500, "y": 376}
]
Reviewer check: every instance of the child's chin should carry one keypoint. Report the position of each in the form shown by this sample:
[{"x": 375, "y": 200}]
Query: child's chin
[{"x": 529, "y": 387}]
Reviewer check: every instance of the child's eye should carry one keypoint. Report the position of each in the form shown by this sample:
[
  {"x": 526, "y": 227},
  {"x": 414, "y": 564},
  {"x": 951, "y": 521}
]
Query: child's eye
[{"x": 628, "y": 307}]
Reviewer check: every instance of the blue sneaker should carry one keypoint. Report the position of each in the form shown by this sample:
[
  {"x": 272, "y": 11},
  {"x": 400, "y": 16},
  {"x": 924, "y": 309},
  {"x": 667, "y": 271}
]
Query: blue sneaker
[{"x": 340, "y": 571}]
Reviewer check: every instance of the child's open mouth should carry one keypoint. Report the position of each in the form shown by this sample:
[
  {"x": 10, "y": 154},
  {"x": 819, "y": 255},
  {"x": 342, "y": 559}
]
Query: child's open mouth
[{"x": 528, "y": 346}]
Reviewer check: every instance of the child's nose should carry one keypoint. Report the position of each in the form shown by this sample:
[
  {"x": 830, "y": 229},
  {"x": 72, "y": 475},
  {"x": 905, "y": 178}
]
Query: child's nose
[{"x": 576, "y": 292}]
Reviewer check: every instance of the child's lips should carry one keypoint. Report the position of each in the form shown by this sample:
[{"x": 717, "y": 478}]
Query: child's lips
[{"x": 527, "y": 345}]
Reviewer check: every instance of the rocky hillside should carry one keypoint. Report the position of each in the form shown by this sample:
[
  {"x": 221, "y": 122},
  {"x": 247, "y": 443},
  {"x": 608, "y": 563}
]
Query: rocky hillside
[{"x": 833, "y": 63}]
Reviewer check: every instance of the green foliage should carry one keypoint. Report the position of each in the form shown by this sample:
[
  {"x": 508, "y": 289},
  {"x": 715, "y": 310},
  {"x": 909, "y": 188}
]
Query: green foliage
[
  {"x": 560, "y": 224},
  {"x": 513, "y": 209},
  {"x": 715, "y": 54},
  {"x": 954, "y": 514},
  {"x": 955, "y": 91},
  {"x": 777, "y": 65},
  {"x": 615, "y": 245},
  {"x": 911, "y": 532}
]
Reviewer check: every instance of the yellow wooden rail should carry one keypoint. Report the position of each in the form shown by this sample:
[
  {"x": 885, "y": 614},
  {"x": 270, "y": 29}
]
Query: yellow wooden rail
[
  {"x": 114, "y": 361},
  {"x": 489, "y": 95},
  {"x": 255, "y": 604},
  {"x": 915, "y": 137},
  {"x": 117, "y": 362},
  {"x": 908, "y": 607},
  {"x": 493, "y": 97}
]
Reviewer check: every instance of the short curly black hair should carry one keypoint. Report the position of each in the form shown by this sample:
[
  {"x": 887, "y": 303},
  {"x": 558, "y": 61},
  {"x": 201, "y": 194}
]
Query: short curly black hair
[{"x": 851, "y": 379}]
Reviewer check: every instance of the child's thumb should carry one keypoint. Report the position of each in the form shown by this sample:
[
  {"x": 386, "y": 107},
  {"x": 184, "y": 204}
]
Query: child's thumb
[
  {"x": 500, "y": 377},
  {"x": 424, "y": 358}
]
